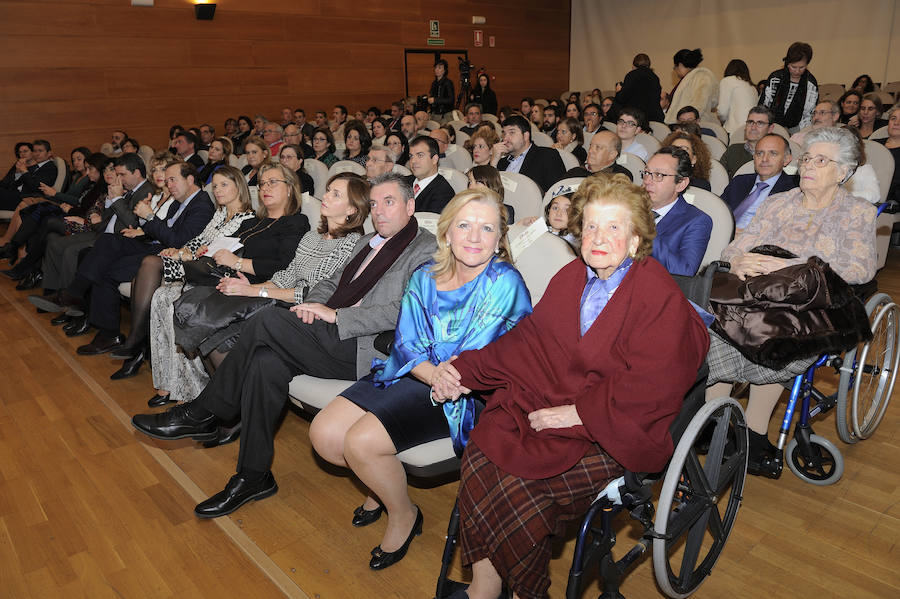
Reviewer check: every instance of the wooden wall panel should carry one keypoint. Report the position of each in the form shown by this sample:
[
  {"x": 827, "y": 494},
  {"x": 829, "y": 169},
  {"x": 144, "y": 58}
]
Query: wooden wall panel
[{"x": 76, "y": 69}]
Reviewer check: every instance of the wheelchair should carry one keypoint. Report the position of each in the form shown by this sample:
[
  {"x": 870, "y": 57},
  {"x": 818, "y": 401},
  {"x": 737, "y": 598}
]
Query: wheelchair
[
  {"x": 702, "y": 490},
  {"x": 867, "y": 374}
]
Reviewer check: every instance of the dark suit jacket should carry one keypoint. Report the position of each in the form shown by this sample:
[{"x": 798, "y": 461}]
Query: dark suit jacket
[
  {"x": 681, "y": 238},
  {"x": 196, "y": 161},
  {"x": 614, "y": 168},
  {"x": 741, "y": 186},
  {"x": 435, "y": 196},
  {"x": 544, "y": 166},
  {"x": 31, "y": 179},
  {"x": 123, "y": 208},
  {"x": 190, "y": 223},
  {"x": 641, "y": 89}
]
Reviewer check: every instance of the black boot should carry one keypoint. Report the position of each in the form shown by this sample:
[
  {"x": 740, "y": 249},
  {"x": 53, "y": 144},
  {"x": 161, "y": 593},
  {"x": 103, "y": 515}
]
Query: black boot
[{"x": 762, "y": 456}]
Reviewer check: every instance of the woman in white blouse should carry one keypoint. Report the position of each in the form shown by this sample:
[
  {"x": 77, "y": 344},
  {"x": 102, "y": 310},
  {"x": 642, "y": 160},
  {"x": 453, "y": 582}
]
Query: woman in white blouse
[{"x": 737, "y": 96}]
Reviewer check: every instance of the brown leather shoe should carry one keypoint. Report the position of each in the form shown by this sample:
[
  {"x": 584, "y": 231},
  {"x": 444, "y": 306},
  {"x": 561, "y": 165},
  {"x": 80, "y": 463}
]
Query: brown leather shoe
[{"x": 101, "y": 344}]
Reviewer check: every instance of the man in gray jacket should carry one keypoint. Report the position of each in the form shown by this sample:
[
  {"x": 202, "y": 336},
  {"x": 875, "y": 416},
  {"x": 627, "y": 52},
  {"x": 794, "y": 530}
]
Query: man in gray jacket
[{"x": 331, "y": 335}]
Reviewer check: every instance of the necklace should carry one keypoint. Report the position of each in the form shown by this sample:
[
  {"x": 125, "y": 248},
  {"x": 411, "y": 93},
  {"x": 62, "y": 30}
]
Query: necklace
[{"x": 252, "y": 232}]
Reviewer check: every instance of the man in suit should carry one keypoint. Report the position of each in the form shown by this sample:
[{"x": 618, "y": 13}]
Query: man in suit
[
  {"x": 473, "y": 119},
  {"x": 641, "y": 89},
  {"x": 682, "y": 230},
  {"x": 185, "y": 144},
  {"x": 603, "y": 152},
  {"x": 131, "y": 187},
  {"x": 745, "y": 193},
  {"x": 306, "y": 129},
  {"x": 396, "y": 115},
  {"x": 408, "y": 126},
  {"x": 760, "y": 122},
  {"x": 592, "y": 119},
  {"x": 380, "y": 161},
  {"x": 272, "y": 133},
  {"x": 551, "y": 121},
  {"x": 26, "y": 180},
  {"x": 293, "y": 135},
  {"x": 115, "y": 259},
  {"x": 338, "y": 120},
  {"x": 207, "y": 135},
  {"x": 544, "y": 166},
  {"x": 331, "y": 335},
  {"x": 430, "y": 190}
]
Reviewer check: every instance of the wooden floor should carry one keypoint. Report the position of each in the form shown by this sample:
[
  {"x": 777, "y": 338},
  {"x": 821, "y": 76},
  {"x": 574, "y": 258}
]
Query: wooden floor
[{"x": 89, "y": 508}]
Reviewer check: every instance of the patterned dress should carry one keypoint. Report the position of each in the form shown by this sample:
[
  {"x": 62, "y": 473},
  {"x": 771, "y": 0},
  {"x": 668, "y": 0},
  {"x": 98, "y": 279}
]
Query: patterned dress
[
  {"x": 316, "y": 258},
  {"x": 219, "y": 226}
]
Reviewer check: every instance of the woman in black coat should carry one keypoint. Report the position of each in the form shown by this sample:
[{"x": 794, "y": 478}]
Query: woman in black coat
[
  {"x": 484, "y": 95},
  {"x": 441, "y": 95}
]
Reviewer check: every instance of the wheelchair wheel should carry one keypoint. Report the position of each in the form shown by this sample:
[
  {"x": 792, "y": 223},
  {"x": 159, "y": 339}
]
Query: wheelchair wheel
[
  {"x": 824, "y": 467},
  {"x": 700, "y": 498},
  {"x": 869, "y": 372}
]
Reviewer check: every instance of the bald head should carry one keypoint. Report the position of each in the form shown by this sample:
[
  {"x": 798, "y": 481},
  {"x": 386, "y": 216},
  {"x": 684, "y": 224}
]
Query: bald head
[{"x": 442, "y": 138}]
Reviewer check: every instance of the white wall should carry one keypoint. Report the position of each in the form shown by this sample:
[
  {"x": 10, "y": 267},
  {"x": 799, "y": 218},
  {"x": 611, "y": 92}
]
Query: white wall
[{"x": 848, "y": 38}]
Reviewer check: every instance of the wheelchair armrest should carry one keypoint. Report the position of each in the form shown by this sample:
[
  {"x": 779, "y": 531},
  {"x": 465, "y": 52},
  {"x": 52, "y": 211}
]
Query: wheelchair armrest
[{"x": 384, "y": 342}]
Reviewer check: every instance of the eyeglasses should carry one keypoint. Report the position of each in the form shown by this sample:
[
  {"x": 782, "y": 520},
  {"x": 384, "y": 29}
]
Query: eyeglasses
[
  {"x": 757, "y": 123},
  {"x": 592, "y": 113},
  {"x": 371, "y": 158},
  {"x": 824, "y": 112},
  {"x": 658, "y": 177},
  {"x": 319, "y": 139},
  {"x": 629, "y": 124},
  {"x": 817, "y": 161},
  {"x": 270, "y": 183}
]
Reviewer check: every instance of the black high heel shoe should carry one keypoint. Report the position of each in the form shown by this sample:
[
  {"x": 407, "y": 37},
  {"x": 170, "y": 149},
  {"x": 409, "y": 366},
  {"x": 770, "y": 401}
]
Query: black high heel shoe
[
  {"x": 364, "y": 517},
  {"x": 130, "y": 367},
  {"x": 382, "y": 559}
]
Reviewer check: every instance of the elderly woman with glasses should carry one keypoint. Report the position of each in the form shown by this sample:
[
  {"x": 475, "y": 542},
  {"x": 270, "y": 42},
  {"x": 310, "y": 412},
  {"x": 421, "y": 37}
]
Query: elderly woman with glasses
[
  {"x": 323, "y": 146},
  {"x": 820, "y": 218}
]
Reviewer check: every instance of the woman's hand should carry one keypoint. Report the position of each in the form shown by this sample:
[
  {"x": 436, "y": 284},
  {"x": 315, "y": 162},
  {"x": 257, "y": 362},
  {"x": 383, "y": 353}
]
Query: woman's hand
[
  {"x": 95, "y": 218},
  {"x": 237, "y": 285},
  {"x": 65, "y": 207},
  {"x": 47, "y": 190},
  {"x": 75, "y": 219},
  {"x": 445, "y": 382},
  {"x": 559, "y": 417},
  {"x": 497, "y": 152},
  {"x": 225, "y": 258},
  {"x": 853, "y": 121},
  {"x": 528, "y": 221},
  {"x": 169, "y": 253},
  {"x": 751, "y": 265},
  {"x": 201, "y": 251},
  {"x": 310, "y": 312}
]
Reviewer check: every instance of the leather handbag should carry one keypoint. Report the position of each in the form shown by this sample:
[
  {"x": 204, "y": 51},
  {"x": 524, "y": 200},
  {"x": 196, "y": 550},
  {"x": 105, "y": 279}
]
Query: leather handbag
[{"x": 204, "y": 272}]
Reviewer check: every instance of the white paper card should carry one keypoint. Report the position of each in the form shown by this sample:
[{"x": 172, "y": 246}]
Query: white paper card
[
  {"x": 232, "y": 244},
  {"x": 429, "y": 223},
  {"x": 527, "y": 237},
  {"x": 508, "y": 183}
]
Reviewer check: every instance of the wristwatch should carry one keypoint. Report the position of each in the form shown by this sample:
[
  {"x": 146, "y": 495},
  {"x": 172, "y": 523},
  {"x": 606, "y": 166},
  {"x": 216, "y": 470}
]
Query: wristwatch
[
  {"x": 263, "y": 292},
  {"x": 237, "y": 265}
]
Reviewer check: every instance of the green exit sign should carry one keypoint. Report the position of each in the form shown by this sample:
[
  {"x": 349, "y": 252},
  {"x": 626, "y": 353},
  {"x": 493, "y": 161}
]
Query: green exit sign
[{"x": 435, "y": 42}]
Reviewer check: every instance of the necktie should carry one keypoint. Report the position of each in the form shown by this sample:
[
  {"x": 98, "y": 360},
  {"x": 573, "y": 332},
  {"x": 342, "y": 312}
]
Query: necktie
[
  {"x": 416, "y": 189},
  {"x": 749, "y": 201},
  {"x": 655, "y": 214}
]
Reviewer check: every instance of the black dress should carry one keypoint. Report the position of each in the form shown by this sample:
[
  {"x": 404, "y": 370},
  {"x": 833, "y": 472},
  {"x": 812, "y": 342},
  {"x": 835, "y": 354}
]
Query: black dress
[
  {"x": 487, "y": 98},
  {"x": 894, "y": 192}
]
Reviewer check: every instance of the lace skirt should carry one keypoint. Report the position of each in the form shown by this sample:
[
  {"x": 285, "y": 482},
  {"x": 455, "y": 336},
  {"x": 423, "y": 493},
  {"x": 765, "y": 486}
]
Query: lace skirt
[{"x": 183, "y": 377}]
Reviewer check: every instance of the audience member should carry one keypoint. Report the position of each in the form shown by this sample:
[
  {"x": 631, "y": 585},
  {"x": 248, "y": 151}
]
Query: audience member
[
  {"x": 682, "y": 230},
  {"x": 321, "y": 119},
  {"x": 868, "y": 119},
  {"x": 697, "y": 86},
  {"x": 272, "y": 135},
  {"x": 759, "y": 123},
  {"x": 516, "y": 154},
  {"x": 631, "y": 122},
  {"x": 338, "y": 119},
  {"x": 130, "y": 146},
  {"x": 441, "y": 95},
  {"x": 292, "y": 157},
  {"x": 430, "y": 190},
  {"x": 483, "y": 95},
  {"x": 593, "y": 122},
  {"x": 863, "y": 84},
  {"x": 257, "y": 154},
  {"x": 641, "y": 89},
  {"x": 293, "y": 135},
  {"x": 408, "y": 126},
  {"x": 396, "y": 115},
  {"x": 245, "y": 126},
  {"x": 118, "y": 136},
  {"x": 849, "y": 103},
  {"x": 570, "y": 137},
  {"x": 745, "y": 193},
  {"x": 219, "y": 152},
  {"x": 330, "y": 335},
  {"x": 323, "y": 146},
  {"x": 399, "y": 145},
  {"x": 892, "y": 143},
  {"x": 792, "y": 92},
  {"x": 551, "y": 121},
  {"x": 689, "y": 115},
  {"x": 602, "y": 156},
  {"x": 573, "y": 111},
  {"x": 736, "y": 96},
  {"x": 207, "y": 135},
  {"x": 826, "y": 114},
  {"x": 26, "y": 179},
  {"x": 380, "y": 161},
  {"x": 481, "y": 144},
  {"x": 306, "y": 128},
  {"x": 231, "y": 127},
  {"x": 185, "y": 145},
  {"x": 379, "y": 131},
  {"x": 698, "y": 153},
  {"x": 357, "y": 141},
  {"x": 473, "y": 119}
]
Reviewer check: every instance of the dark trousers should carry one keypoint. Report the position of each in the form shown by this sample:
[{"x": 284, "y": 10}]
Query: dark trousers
[
  {"x": 9, "y": 199},
  {"x": 252, "y": 381},
  {"x": 33, "y": 235},
  {"x": 114, "y": 259}
]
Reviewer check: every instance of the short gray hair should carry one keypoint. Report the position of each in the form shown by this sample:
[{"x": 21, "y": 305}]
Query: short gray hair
[
  {"x": 389, "y": 153},
  {"x": 763, "y": 110},
  {"x": 849, "y": 151},
  {"x": 406, "y": 189},
  {"x": 835, "y": 109}
]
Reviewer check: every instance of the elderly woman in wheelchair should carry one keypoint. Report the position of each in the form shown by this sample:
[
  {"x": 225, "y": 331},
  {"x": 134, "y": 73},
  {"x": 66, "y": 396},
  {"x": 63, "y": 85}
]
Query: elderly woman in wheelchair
[
  {"x": 819, "y": 219},
  {"x": 586, "y": 386}
]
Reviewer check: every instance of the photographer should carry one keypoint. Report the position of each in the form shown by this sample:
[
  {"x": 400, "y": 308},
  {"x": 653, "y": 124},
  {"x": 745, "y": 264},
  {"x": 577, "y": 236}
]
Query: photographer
[{"x": 441, "y": 95}]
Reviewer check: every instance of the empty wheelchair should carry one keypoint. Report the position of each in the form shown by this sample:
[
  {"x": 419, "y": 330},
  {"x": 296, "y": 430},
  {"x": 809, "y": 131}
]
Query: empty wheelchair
[
  {"x": 701, "y": 493},
  {"x": 867, "y": 376}
]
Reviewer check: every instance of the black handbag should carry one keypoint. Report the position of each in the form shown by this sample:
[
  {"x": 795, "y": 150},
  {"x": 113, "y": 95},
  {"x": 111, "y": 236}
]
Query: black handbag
[
  {"x": 204, "y": 272},
  {"x": 203, "y": 317}
]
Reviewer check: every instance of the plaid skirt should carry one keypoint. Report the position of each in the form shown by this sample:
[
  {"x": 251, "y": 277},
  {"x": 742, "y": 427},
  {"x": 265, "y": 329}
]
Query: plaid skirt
[
  {"x": 728, "y": 365},
  {"x": 510, "y": 520}
]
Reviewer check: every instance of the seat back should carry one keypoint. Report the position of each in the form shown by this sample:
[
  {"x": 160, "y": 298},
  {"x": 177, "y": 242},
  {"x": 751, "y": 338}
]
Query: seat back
[
  {"x": 458, "y": 158},
  {"x": 62, "y": 172},
  {"x": 457, "y": 125},
  {"x": 659, "y": 130},
  {"x": 146, "y": 154},
  {"x": 633, "y": 163},
  {"x": 204, "y": 154},
  {"x": 830, "y": 91},
  {"x": 718, "y": 177},
  {"x": 455, "y": 178},
  {"x": 882, "y": 161},
  {"x": 319, "y": 173},
  {"x": 714, "y": 126},
  {"x": 402, "y": 170},
  {"x": 722, "y": 221},
  {"x": 428, "y": 221},
  {"x": 747, "y": 168},
  {"x": 540, "y": 138},
  {"x": 461, "y": 139},
  {"x": 568, "y": 158},
  {"x": 650, "y": 143},
  {"x": 716, "y": 147},
  {"x": 346, "y": 166},
  {"x": 522, "y": 194},
  {"x": 880, "y": 133},
  {"x": 432, "y": 125},
  {"x": 241, "y": 161},
  {"x": 538, "y": 259},
  {"x": 311, "y": 207},
  {"x": 571, "y": 182}
]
